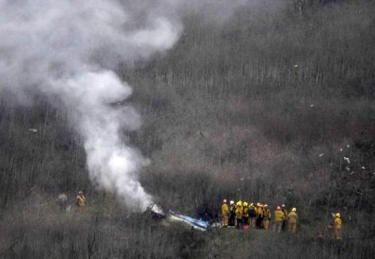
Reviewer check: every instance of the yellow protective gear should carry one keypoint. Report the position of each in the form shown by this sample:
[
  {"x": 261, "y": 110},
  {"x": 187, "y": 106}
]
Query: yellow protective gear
[
  {"x": 245, "y": 211},
  {"x": 266, "y": 217},
  {"x": 279, "y": 216},
  {"x": 80, "y": 200},
  {"x": 292, "y": 221},
  {"x": 224, "y": 209},
  {"x": 224, "y": 214},
  {"x": 239, "y": 211},
  {"x": 338, "y": 225}
]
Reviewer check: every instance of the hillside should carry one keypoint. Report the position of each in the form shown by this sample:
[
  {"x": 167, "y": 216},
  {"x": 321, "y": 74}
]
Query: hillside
[{"x": 274, "y": 103}]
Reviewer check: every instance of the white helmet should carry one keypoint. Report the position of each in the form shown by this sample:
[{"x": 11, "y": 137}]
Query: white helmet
[{"x": 231, "y": 202}]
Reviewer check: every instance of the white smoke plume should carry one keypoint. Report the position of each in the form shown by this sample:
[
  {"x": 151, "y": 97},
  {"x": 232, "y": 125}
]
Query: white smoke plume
[{"x": 67, "y": 50}]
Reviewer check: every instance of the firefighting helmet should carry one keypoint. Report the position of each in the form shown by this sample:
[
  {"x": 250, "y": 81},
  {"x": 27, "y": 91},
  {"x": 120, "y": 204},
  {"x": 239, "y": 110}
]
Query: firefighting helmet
[
  {"x": 252, "y": 204},
  {"x": 338, "y": 215},
  {"x": 80, "y": 192},
  {"x": 278, "y": 208},
  {"x": 225, "y": 201},
  {"x": 265, "y": 205},
  {"x": 231, "y": 202},
  {"x": 245, "y": 203},
  {"x": 283, "y": 206},
  {"x": 294, "y": 209}
]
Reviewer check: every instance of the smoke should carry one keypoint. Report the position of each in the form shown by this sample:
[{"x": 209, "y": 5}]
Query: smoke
[{"x": 67, "y": 50}]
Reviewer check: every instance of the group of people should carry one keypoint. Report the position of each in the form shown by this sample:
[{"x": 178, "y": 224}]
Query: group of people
[
  {"x": 244, "y": 215},
  {"x": 80, "y": 202}
]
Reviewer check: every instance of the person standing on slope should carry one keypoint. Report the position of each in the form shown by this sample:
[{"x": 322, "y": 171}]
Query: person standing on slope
[
  {"x": 292, "y": 221},
  {"x": 245, "y": 213},
  {"x": 266, "y": 216},
  {"x": 252, "y": 216},
  {"x": 80, "y": 201},
  {"x": 338, "y": 225},
  {"x": 284, "y": 226},
  {"x": 239, "y": 213},
  {"x": 232, "y": 214},
  {"x": 224, "y": 214},
  {"x": 279, "y": 217}
]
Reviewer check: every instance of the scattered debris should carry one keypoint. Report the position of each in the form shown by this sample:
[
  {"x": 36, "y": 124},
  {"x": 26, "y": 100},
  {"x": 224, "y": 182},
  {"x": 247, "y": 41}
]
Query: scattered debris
[
  {"x": 347, "y": 159},
  {"x": 194, "y": 223},
  {"x": 322, "y": 154},
  {"x": 33, "y": 130},
  {"x": 363, "y": 168}
]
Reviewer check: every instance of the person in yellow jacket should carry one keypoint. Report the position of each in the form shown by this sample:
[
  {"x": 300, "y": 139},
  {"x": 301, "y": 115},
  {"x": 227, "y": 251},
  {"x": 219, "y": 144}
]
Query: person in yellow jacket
[
  {"x": 266, "y": 216},
  {"x": 80, "y": 201},
  {"x": 224, "y": 213},
  {"x": 239, "y": 213},
  {"x": 245, "y": 213},
  {"x": 338, "y": 225},
  {"x": 279, "y": 217},
  {"x": 292, "y": 221}
]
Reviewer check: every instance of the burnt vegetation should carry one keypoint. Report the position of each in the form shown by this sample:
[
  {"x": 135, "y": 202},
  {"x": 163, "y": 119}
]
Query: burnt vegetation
[{"x": 275, "y": 105}]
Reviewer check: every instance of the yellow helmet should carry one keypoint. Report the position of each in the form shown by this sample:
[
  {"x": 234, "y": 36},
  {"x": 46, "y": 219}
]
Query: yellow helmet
[
  {"x": 245, "y": 203},
  {"x": 338, "y": 215},
  {"x": 294, "y": 209},
  {"x": 252, "y": 204}
]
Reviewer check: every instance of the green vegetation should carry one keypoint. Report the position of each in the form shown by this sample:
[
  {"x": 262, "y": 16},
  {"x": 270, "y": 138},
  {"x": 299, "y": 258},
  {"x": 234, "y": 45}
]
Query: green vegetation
[{"x": 263, "y": 107}]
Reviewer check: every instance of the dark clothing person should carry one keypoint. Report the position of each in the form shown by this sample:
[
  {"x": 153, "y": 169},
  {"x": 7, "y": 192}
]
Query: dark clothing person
[{"x": 232, "y": 215}]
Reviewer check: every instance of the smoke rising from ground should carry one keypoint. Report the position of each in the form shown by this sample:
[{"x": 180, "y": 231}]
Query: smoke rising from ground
[{"x": 68, "y": 50}]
